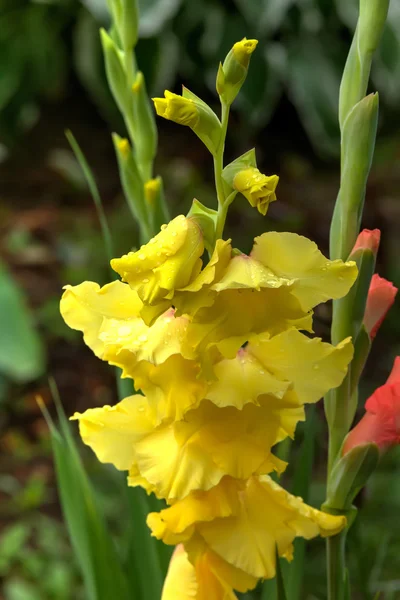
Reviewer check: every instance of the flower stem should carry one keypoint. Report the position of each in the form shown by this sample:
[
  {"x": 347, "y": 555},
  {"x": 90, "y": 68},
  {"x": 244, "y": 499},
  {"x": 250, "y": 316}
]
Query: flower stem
[
  {"x": 223, "y": 203},
  {"x": 336, "y": 566}
]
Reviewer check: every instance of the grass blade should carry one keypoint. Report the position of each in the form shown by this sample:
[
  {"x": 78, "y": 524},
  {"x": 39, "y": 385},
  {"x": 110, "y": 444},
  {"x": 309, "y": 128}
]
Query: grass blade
[{"x": 92, "y": 185}]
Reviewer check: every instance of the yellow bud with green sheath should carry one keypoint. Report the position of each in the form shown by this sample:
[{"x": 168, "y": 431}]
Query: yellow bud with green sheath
[
  {"x": 243, "y": 176},
  {"x": 233, "y": 72},
  {"x": 188, "y": 109}
]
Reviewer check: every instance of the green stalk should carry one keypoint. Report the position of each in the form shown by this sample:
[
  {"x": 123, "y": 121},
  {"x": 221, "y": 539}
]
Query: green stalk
[
  {"x": 223, "y": 203},
  {"x": 336, "y": 565}
]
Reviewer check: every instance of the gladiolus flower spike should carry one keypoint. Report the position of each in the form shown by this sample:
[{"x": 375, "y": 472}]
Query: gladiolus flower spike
[
  {"x": 219, "y": 391},
  {"x": 218, "y": 351}
]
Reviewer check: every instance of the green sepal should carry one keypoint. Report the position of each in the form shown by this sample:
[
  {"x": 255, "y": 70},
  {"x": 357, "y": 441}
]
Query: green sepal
[
  {"x": 362, "y": 347},
  {"x": 358, "y": 143},
  {"x": 208, "y": 128},
  {"x": 145, "y": 126},
  {"x": 129, "y": 27},
  {"x": 125, "y": 16},
  {"x": 246, "y": 160},
  {"x": 132, "y": 184},
  {"x": 207, "y": 220},
  {"x": 349, "y": 311},
  {"x": 349, "y": 475},
  {"x": 115, "y": 72}
]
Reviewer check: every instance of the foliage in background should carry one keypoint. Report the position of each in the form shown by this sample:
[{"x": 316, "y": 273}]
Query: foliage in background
[{"x": 292, "y": 33}]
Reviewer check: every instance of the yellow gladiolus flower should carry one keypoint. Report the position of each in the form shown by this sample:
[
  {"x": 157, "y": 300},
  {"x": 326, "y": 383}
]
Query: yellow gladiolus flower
[
  {"x": 244, "y": 523},
  {"x": 177, "y": 108},
  {"x": 171, "y": 260},
  {"x": 257, "y": 188}
]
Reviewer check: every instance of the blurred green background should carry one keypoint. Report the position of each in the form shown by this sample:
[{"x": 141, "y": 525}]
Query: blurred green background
[{"x": 52, "y": 79}]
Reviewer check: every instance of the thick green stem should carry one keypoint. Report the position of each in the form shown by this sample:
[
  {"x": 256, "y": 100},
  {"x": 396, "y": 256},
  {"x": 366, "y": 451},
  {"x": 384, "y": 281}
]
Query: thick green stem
[{"x": 336, "y": 565}]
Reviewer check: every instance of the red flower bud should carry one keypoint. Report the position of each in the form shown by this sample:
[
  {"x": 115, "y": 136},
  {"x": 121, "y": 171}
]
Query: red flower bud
[
  {"x": 381, "y": 296},
  {"x": 381, "y": 421},
  {"x": 368, "y": 239}
]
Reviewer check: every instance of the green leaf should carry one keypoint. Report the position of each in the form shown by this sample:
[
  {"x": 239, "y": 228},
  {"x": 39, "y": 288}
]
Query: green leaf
[
  {"x": 145, "y": 558},
  {"x": 94, "y": 190},
  {"x": 94, "y": 547},
  {"x": 21, "y": 352}
]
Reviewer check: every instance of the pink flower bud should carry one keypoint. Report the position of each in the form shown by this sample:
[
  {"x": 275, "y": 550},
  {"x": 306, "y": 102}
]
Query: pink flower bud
[
  {"x": 381, "y": 421},
  {"x": 381, "y": 296},
  {"x": 368, "y": 239}
]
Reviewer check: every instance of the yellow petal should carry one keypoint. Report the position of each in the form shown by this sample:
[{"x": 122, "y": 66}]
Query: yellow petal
[
  {"x": 169, "y": 261},
  {"x": 268, "y": 517},
  {"x": 84, "y": 307},
  {"x": 198, "y": 581},
  {"x": 176, "y": 523},
  {"x": 177, "y": 108},
  {"x": 172, "y": 387},
  {"x": 238, "y": 313},
  {"x": 111, "y": 431},
  {"x": 211, "y": 442},
  {"x": 180, "y": 582},
  {"x": 198, "y": 293},
  {"x": 153, "y": 344},
  {"x": 228, "y": 575},
  {"x": 312, "y": 366},
  {"x": 296, "y": 257},
  {"x": 243, "y": 379},
  {"x": 257, "y": 188},
  {"x": 245, "y": 272}
]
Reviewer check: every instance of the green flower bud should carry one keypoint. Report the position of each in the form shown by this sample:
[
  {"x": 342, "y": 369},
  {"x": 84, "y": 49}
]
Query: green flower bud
[{"x": 232, "y": 74}]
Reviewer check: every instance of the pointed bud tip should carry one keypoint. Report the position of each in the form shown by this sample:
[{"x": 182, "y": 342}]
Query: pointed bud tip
[
  {"x": 368, "y": 239},
  {"x": 381, "y": 296}
]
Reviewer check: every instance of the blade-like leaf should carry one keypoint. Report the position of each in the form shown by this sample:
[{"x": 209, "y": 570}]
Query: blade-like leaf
[
  {"x": 94, "y": 546},
  {"x": 92, "y": 185}
]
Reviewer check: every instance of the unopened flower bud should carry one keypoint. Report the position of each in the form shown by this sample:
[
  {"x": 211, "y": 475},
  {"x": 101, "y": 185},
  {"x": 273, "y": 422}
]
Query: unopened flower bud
[
  {"x": 381, "y": 421},
  {"x": 381, "y": 296},
  {"x": 190, "y": 110},
  {"x": 368, "y": 240},
  {"x": 232, "y": 74}
]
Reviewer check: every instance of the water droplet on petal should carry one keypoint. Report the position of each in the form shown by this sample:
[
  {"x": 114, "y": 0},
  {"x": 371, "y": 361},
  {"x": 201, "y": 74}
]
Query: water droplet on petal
[
  {"x": 141, "y": 408},
  {"x": 316, "y": 367},
  {"x": 146, "y": 280},
  {"x": 164, "y": 226},
  {"x": 141, "y": 256},
  {"x": 142, "y": 338}
]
